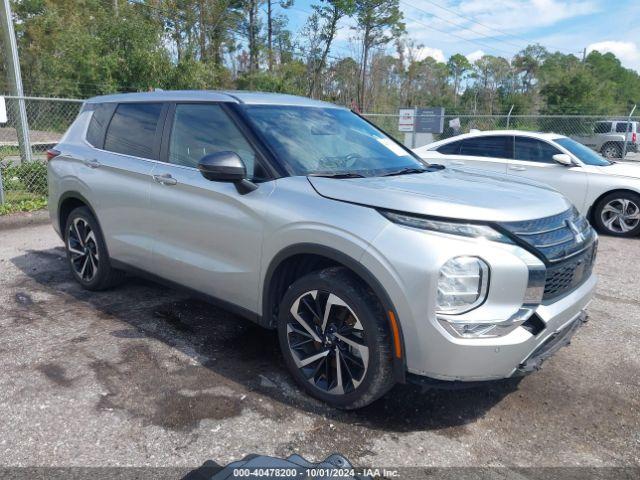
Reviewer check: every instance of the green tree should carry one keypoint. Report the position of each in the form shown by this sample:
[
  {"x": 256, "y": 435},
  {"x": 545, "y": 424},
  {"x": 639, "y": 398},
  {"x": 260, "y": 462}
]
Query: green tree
[
  {"x": 378, "y": 22},
  {"x": 458, "y": 67},
  {"x": 328, "y": 13}
]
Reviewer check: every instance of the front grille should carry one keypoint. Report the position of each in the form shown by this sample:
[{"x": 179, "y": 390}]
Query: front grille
[
  {"x": 556, "y": 237},
  {"x": 565, "y": 276},
  {"x": 566, "y": 242}
]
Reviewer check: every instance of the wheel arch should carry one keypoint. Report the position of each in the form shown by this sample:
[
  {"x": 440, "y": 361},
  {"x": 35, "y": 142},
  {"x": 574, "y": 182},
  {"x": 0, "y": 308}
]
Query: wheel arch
[
  {"x": 67, "y": 203},
  {"x": 289, "y": 265}
]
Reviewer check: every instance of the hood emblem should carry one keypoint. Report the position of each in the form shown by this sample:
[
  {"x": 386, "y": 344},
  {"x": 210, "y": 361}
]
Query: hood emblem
[{"x": 577, "y": 234}]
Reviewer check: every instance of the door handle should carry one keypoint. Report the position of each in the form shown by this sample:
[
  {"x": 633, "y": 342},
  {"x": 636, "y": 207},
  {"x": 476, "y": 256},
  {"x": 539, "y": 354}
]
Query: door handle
[
  {"x": 92, "y": 163},
  {"x": 517, "y": 168},
  {"x": 165, "y": 179}
]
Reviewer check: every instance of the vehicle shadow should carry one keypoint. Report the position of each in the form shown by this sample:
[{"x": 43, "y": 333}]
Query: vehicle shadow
[{"x": 238, "y": 352}]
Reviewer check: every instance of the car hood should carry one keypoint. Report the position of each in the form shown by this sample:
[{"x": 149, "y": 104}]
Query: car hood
[
  {"x": 453, "y": 193},
  {"x": 620, "y": 170}
]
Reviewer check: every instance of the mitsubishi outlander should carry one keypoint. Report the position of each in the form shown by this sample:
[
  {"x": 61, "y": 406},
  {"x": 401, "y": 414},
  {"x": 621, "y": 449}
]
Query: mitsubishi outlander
[{"x": 374, "y": 266}]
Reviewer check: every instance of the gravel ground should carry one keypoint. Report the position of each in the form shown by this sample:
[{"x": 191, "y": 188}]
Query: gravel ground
[{"x": 145, "y": 376}]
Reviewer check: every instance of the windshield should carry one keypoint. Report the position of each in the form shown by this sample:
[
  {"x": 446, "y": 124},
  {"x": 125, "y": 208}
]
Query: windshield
[
  {"x": 329, "y": 141},
  {"x": 585, "y": 154}
]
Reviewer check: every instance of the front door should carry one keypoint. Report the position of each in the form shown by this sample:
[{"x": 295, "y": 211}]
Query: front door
[
  {"x": 533, "y": 159},
  {"x": 208, "y": 236}
]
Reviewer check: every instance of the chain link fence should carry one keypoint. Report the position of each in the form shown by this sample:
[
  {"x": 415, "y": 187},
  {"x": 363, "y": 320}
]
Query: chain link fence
[
  {"x": 23, "y": 183},
  {"x": 578, "y": 127}
]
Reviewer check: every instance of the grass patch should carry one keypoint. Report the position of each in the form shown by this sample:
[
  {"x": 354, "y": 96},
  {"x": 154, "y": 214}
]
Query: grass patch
[{"x": 15, "y": 202}]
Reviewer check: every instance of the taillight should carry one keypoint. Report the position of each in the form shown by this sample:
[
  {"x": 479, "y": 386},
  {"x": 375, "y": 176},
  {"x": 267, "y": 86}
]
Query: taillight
[
  {"x": 52, "y": 153},
  {"x": 634, "y": 137}
]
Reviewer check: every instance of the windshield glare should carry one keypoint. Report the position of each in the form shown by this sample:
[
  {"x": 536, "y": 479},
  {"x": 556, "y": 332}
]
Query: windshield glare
[
  {"x": 329, "y": 141},
  {"x": 584, "y": 153}
]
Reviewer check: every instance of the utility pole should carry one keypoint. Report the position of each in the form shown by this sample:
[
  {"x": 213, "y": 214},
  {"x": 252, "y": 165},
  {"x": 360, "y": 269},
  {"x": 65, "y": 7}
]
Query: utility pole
[
  {"x": 116, "y": 8},
  {"x": 15, "y": 79}
]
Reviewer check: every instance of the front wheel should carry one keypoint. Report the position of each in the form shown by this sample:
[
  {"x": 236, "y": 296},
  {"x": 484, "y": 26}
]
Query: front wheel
[
  {"x": 618, "y": 214},
  {"x": 335, "y": 339}
]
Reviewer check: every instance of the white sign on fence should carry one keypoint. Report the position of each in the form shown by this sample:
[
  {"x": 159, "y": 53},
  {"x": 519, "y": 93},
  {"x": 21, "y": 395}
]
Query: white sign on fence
[
  {"x": 3, "y": 110},
  {"x": 406, "y": 119}
]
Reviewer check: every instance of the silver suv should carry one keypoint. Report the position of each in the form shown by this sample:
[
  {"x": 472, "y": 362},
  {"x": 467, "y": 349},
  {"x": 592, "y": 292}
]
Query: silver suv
[{"x": 374, "y": 266}]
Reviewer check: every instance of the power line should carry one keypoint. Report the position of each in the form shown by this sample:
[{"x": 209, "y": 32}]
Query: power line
[
  {"x": 472, "y": 20},
  {"x": 475, "y": 42}
]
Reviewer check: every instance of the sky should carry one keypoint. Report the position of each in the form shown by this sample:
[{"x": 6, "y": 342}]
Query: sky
[{"x": 440, "y": 28}]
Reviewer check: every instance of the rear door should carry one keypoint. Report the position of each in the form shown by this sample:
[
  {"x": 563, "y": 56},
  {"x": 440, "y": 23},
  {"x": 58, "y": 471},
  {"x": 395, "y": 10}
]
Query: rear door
[
  {"x": 491, "y": 152},
  {"x": 118, "y": 175},
  {"x": 207, "y": 235},
  {"x": 533, "y": 159}
]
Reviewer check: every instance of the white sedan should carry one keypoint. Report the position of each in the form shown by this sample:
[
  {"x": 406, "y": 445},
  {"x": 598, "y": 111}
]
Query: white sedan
[{"x": 608, "y": 193}]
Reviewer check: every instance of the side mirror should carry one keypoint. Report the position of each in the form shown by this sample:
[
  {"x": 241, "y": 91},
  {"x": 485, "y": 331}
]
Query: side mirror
[
  {"x": 563, "y": 159},
  {"x": 222, "y": 167},
  {"x": 226, "y": 167}
]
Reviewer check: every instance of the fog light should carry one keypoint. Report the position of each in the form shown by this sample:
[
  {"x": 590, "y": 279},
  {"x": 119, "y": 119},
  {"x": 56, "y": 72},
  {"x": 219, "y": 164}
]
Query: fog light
[{"x": 462, "y": 285}]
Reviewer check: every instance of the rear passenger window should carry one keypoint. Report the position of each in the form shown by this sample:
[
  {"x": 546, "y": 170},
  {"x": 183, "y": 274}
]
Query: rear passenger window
[
  {"x": 622, "y": 127},
  {"x": 99, "y": 119},
  {"x": 534, "y": 150},
  {"x": 602, "y": 127},
  {"x": 133, "y": 128},
  {"x": 452, "y": 148},
  {"x": 495, "y": 146}
]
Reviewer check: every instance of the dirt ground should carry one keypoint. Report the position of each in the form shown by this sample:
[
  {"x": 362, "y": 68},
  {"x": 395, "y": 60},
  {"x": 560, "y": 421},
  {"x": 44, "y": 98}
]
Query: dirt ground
[{"x": 146, "y": 376}]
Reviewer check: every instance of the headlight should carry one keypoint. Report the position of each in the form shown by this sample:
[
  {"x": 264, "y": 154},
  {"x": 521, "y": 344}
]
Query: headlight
[
  {"x": 452, "y": 228},
  {"x": 462, "y": 285}
]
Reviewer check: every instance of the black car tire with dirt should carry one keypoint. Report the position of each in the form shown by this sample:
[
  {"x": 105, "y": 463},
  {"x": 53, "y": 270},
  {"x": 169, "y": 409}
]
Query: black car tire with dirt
[{"x": 375, "y": 335}]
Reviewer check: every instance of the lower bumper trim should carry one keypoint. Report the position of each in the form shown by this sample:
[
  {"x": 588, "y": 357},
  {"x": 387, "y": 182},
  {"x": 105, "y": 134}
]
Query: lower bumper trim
[{"x": 550, "y": 346}]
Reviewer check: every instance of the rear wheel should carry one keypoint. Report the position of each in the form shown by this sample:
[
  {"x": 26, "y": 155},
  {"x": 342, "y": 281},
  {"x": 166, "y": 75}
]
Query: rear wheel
[
  {"x": 618, "y": 214},
  {"x": 87, "y": 253},
  {"x": 335, "y": 339},
  {"x": 611, "y": 150}
]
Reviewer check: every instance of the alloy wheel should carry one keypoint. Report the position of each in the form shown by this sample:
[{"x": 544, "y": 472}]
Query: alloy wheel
[
  {"x": 83, "y": 249},
  {"x": 327, "y": 343},
  {"x": 620, "y": 215}
]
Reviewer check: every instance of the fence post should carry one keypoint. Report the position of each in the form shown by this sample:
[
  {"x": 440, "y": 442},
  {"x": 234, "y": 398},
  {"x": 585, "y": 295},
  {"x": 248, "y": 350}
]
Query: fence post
[
  {"x": 15, "y": 79},
  {"x": 509, "y": 116},
  {"x": 626, "y": 132},
  {"x": 1, "y": 188}
]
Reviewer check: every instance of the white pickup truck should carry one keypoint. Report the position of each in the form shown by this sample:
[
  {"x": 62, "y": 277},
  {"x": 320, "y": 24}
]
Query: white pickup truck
[{"x": 608, "y": 138}]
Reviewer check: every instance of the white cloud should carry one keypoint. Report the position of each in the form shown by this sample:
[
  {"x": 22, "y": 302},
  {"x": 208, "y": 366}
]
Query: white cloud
[
  {"x": 627, "y": 52},
  {"x": 424, "y": 52},
  {"x": 488, "y": 23},
  {"x": 475, "y": 55}
]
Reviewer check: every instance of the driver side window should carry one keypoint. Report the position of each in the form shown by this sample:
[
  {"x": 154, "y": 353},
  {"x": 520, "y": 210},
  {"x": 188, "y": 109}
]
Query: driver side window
[
  {"x": 533, "y": 150},
  {"x": 201, "y": 129}
]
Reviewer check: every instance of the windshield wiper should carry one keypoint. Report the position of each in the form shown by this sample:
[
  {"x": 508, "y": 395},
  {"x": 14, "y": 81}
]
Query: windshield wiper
[
  {"x": 338, "y": 175},
  {"x": 406, "y": 171}
]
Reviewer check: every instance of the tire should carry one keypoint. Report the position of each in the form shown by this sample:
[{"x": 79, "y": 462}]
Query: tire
[
  {"x": 355, "y": 336},
  {"x": 611, "y": 150},
  {"x": 618, "y": 214},
  {"x": 87, "y": 254}
]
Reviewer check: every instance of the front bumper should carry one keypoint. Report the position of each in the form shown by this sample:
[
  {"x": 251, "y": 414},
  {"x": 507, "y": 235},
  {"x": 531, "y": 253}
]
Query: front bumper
[{"x": 518, "y": 353}]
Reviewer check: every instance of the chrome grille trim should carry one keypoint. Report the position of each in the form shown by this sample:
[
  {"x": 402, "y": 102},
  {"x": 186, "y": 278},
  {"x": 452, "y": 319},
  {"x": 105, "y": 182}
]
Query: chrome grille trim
[{"x": 556, "y": 238}]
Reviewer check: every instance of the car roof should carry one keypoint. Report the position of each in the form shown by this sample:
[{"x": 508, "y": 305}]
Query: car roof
[
  {"x": 486, "y": 133},
  {"x": 230, "y": 96}
]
